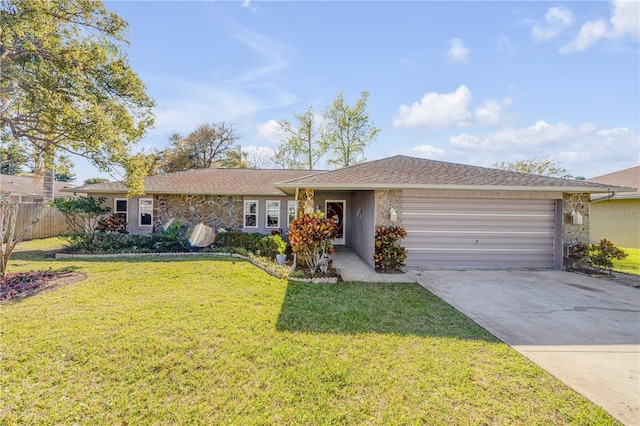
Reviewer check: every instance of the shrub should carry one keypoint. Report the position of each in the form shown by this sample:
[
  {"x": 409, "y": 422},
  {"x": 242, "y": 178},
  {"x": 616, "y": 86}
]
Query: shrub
[
  {"x": 271, "y": 245},
  {"x": 81, "y": 213},
  {"x": 101, "y": 243},
  {"x": 249, "y": 241},
  {"x": 389, "y": 256},
  {"x": 173, "y": 239},
  {"x": 310, "y": 236},
  {"x": 577, "y": 256},
  {"x": 114, "y": 223},
  {"x": 603, "y": 254}
]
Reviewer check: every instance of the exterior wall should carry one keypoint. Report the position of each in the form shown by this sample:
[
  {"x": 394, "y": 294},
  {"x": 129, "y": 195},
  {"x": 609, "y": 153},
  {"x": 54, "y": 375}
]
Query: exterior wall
[
  {"x": 212, "y": 210},
  {"x": 575, "y": 232},
  {"x": 132, "y": 211},
  {"x": 385, "y": 200},
  {"x": 306, "y": 201},
  {"x": 262, "y": 214},
  {"x": 616, "y": 220},
  {"x": 362, "y": 219}
]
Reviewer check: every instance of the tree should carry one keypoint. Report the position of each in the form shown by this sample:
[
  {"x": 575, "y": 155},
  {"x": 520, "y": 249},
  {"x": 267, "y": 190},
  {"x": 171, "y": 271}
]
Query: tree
[
  {"x": 91, "y": 181},
  {"x": 66, "y": 85},
  {"x": 210, "y": 145},
  {"x": 13, "y": 157},
  {"x": 348, "y": 131},
  {"x": 542, "y": 166},
  {"x": 304, "y": 143},
  {"x": 64, "y": 169}
]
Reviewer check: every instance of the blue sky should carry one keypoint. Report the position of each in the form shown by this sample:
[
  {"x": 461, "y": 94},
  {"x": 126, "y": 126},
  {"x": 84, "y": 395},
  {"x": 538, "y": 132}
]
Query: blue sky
[{"x": 467, "y": 82}]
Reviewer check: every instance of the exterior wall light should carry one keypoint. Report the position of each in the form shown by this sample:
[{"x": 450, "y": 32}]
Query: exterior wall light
[{"x": 393, "y": 215}]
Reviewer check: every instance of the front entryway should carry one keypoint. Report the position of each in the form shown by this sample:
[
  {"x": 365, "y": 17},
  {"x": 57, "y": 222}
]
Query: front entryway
[{"x": 336, "y": 209}]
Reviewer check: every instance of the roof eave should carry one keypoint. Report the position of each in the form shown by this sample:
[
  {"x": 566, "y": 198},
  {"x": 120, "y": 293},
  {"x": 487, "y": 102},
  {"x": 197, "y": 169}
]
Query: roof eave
[{"x": 285, "y": 187}]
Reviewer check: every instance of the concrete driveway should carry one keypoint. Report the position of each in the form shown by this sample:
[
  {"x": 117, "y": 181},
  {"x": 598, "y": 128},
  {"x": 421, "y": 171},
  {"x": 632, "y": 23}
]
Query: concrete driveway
[{"x": 583, "y": 330}]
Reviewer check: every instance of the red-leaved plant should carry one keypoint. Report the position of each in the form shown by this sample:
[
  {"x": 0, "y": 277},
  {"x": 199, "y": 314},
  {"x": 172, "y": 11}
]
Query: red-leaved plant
[
  {"x": 310, "y": 236},
  {"x": 389, "y": 256}
]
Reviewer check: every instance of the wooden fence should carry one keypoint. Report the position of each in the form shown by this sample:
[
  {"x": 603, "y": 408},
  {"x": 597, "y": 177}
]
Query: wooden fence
[{"x": 51, "y": 223}]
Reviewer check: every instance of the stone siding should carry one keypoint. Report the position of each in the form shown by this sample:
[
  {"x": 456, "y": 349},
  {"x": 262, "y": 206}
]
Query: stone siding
[
  {"x": 573, "y": 232},
  {"x": 217, "y": 211},
  {"x": 306, "y": 201},
  {"x": 386, "y": 199}
]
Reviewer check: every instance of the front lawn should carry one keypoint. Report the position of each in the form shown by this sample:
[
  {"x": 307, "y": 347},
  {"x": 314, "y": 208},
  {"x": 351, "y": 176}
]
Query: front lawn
[
  {"x": 630, "y": 264},
  {"x": 218, "y": 341}
]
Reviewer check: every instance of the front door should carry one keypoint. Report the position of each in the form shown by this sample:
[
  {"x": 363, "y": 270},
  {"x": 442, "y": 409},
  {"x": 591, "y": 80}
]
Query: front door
[{"x": 335, "y": 208}]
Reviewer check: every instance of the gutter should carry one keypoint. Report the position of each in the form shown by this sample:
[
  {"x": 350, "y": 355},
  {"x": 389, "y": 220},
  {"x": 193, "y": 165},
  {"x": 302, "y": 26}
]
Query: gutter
[{"x": 344, "y": 187}]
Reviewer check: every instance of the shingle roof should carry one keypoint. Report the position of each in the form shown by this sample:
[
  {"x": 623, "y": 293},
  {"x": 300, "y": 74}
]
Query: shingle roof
[
  {"x": 410, "y": 172},
  {"x": 207, "y": 181},
  {"x": 628, "y": 177},
  {"x": 31, "y": 186}
]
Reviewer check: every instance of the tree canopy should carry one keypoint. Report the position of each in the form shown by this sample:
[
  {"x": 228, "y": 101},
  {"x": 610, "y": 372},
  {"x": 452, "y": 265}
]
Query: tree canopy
[
  {"x": 304, "y": 143},
  {"x": 542, "y": 166},
  {"x": 339, "y": 136},
  {"x": 210, "y": 145},
  {"x": 66, "y": 84},
  {"x": 348, "y": 131}
]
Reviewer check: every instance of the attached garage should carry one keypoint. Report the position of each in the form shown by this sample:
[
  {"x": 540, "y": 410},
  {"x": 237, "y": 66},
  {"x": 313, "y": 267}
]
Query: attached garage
[{"x": 462, "y": 232}]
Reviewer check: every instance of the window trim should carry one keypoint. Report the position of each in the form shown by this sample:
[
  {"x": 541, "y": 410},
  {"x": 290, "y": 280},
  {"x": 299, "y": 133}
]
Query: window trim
[
  {"x": 116, "y": 211},
  {"x": 140, "y": 224},
  {"x": 266, "y": 216},
  {"x": 244, "y": 213},
  {"x": 295, "y": 212}
]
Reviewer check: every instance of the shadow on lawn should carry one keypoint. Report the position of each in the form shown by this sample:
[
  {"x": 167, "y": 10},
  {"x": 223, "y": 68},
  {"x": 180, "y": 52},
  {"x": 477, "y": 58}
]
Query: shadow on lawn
[{"x": 387, "y": 308}]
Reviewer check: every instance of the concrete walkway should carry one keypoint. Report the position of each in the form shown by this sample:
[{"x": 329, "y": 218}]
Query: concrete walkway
[
  {"x": 353, "y": 268},
  {"x": 583, "y": 330}
]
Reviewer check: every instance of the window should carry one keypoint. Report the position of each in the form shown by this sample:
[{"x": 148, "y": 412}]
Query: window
[
  {"x": 292, "y": 209},
  {"x": 250, "y": 214},
  {"x": 146, "y": 212},
  {"x": 273, "y": 214},
  {"x": 121, "y": 208}
]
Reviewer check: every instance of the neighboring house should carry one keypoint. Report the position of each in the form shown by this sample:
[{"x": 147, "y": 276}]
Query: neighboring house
[
  {"x": 455, "y": 215},
  {"x": 24, "y": 189},
  {"x": 616, "y": 216}
]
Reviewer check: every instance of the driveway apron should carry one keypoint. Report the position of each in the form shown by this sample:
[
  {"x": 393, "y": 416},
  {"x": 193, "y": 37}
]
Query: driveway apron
[{"x": 583, "y": 330}]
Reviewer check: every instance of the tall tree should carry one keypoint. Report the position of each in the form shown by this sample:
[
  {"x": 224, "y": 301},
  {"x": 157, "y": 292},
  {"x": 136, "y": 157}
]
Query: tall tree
[
  {"x": 210, "y": 145},
  {"x": 91, "y": 181},
  {"x": 64, "y": 169},
  {"x": 348, "y": 131},
  {"x": 13, "y": 156},
  {"x": 304, "y": 144},
  {"x": 66, "y": 84},
  {"x": 542, "y": 166}
]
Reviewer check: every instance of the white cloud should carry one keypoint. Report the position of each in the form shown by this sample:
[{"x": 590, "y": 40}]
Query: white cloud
[
  {"x": 260, "y": 157},
  {"x": 583, "y": 150},
  {"x": 541, "y": 135},
  {"x": 446, "y": 110},
  {"x": 458, "y": 52},
  {"x": 557, "y": 18},
  {"x": 247, "y": 5},
  {"x": 271, "y": 131},
  {"x": 428, "y": 151},
  {"x": 589, "y": 34},
  {"x": 624, "y": 22},
  {"x": 625, "y": 19}
]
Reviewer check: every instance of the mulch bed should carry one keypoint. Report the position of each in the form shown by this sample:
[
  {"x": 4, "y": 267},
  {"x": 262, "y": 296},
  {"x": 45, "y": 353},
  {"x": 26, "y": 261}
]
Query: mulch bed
[{"x": 24, "y": 284}]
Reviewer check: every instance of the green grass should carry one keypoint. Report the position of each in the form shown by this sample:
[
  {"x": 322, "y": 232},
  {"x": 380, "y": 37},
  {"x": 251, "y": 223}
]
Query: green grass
[
  {"x": 630, "y": 264},
  {"x": 215, "y": 341}
]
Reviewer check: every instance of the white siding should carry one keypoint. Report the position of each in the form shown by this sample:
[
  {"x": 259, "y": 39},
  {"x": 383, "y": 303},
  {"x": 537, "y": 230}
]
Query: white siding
[{"x": 448, "y": 232}]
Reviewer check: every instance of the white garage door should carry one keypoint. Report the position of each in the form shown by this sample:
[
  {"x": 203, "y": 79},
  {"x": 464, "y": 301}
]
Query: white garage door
[{"x": 446, "y": 232}]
